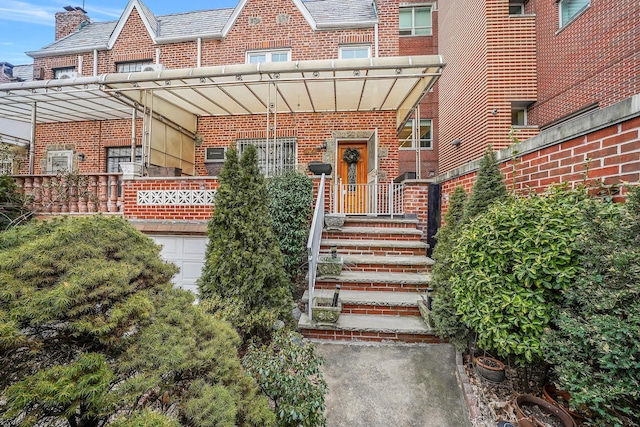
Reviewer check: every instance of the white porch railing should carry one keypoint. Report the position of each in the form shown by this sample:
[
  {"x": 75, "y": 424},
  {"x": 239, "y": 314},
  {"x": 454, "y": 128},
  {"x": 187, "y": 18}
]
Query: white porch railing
[
  {"x": 368, "y": 199},
  {"x": 313, "y": 244}
]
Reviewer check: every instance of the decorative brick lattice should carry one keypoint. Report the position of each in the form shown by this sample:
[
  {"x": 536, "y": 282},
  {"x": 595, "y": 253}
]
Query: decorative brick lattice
[{"x": 176, "y": 197}]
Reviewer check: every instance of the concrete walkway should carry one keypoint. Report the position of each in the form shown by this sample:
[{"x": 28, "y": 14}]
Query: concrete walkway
[{"x": 392, "y": 385}]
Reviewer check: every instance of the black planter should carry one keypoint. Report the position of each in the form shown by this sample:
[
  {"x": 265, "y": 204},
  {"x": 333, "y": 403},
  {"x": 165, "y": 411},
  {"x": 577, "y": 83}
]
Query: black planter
[{"x": 319, "y": 168}]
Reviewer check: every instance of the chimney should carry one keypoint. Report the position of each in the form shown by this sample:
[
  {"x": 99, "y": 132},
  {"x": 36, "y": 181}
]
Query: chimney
[{"x": 69, "y": 21}]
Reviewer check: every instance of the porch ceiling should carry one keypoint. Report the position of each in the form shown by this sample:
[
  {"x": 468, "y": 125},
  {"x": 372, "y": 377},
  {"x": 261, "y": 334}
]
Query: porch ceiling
[{"x": 377, "y": 84}]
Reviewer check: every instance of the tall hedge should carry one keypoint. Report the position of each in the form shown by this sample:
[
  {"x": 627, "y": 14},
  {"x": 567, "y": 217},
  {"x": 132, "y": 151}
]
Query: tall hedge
[
  {"x": 595, "y": 347},
  {"x": 291, "y": 206},
  {"x": 488, "y": 187},
  {"x": 244, "y": 269},
  {"x": 510, "y": 265},
  {"x": 447, "y": 323}
]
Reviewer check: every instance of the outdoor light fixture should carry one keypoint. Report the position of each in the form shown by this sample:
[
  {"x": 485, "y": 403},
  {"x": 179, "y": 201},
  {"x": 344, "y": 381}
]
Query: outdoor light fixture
[
  {"x": 81, "y": 157},
  {"x": 456, "y": 142},
  {"x": 334, "y": 252}
]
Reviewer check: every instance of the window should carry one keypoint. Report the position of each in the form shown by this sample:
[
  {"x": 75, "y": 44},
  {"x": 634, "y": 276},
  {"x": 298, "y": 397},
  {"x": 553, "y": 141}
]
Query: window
[
  {"x": 257, "y": 57},
  {"x": 568, "y": 9},
  {"x": 426, "y": 141},
  {"x": 117, "y": 155},
  {"x": 274, "y": 157},
  {"x": 133, "y": 67},
  {"x": 59, "y": 161},
  {"x": 415, "y": 21},
  {"x": 63, "y": 73},
  {"x": 516, "y": 7},
  {"x": 6, "y": 166},
  {"x": 518, "y": 116},
  {"x": 354, "y": 52}
]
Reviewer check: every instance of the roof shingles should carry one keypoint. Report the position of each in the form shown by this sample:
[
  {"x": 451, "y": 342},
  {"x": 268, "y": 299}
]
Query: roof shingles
[{"x": 204, "y": 23}]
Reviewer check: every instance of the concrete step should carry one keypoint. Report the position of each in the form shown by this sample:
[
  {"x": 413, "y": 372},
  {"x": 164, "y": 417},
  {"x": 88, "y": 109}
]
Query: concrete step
[
  {"x": 353, "y": 327},
  {"x": 374, "y": 247},
  {"x": 370, "y": 221},
  {"x": 374, "y": 281},
  {"x": 386, "y": 264},
  {"x": 376, "y": 303},
  {"x": 374, "y": 233}
]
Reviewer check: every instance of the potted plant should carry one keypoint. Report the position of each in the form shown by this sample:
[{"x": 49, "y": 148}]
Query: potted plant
[
  {"x": 535, "y": 412},
  {"x": 490, "y": 369},
  {"x": 330, "y": 266},
  {"x": 324, "y": 312}
]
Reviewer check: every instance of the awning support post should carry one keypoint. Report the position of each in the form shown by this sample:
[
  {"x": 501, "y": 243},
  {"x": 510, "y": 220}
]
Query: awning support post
[{"x": 32, "y": 142}]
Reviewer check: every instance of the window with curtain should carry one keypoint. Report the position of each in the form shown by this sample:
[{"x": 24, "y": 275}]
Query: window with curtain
[
  {"x": 274, "y": 157},
  {"x": 568, "y": 9},
  {"x": 415, "y": 21}
]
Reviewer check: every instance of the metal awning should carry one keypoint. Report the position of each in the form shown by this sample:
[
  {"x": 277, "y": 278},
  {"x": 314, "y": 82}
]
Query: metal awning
[{"x": 180, "y": 96}]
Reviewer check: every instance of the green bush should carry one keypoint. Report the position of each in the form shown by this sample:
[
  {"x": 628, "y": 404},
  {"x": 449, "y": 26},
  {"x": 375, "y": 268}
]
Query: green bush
[
  {"x": 510, "y": 265},
  {"x": 91, "y": 327},
  {"x": 243, "y": 262},
  {"x": 596, "y": 345},
  {"x": 290, "y": 206},
  {"x": 447, "y": 322},
  {"x": 288, "y": 372},
  {"x": 12, "y": 204},
  {"x": 488, "y": 187}
]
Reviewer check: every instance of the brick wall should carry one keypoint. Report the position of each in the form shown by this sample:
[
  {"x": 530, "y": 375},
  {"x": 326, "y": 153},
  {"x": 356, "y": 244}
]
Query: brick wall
[
  {"x": 594, "y": 59},
  {"x": 610, "y": 154},
  {"x": 132, "y": 210},
  {"x": 134, "y": 42},
  {"x": 422, "y": 45},
  {"x": 490, "y": 58}
]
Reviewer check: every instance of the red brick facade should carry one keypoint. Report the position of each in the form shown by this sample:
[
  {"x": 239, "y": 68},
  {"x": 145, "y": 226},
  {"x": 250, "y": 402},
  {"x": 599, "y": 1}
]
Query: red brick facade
[
  {"x": 611, "y": 154},
  {"x": 595, "y": 59},
  {"x": 491, "y": 63}
]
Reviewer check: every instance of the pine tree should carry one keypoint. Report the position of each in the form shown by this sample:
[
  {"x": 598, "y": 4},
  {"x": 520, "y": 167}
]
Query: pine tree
[
  {"x": 91, "y": 327},
  {"x": 488, "y": 188},
  {"x": 447, "y": 322},
  {"x": 244, "y": 268}
]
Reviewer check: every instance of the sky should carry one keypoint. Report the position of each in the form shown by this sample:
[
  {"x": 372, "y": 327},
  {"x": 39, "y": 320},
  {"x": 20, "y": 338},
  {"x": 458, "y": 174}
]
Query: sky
[{"x": 30, "y": 25}]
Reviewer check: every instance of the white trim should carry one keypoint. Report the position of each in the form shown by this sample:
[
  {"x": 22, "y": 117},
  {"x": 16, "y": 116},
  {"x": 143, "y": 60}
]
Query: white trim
[
  {"x": 123, "y": 20},
  {"x": 268, "y": 54},
  {"x": 354, "y": 46}
]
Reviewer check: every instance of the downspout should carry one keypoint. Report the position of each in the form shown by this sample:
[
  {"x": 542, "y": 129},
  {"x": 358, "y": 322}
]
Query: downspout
[
  {"x": 95, "y": 62},
  {"x": 375, "y": 29},
  {"x": 375, "y": 37},
  {"x": 199, "y": 56},
  {"x": 133, "y": 135},
  {"x": 157, "y": 56},
  {"x": 32, "y": 142},
  {"x": 80, "y": 64}
]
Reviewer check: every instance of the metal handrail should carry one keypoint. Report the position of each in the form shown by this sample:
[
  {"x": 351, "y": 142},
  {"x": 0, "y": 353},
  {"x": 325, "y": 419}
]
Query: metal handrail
[{"x": 313, "y": 244}]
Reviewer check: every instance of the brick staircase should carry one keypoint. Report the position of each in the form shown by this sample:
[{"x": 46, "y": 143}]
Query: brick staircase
[{"x": 385, "y": 272}]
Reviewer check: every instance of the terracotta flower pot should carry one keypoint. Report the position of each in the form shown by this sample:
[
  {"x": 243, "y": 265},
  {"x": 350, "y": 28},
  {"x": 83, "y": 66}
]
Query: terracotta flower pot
[
  {"x": 559, "y": 398},
  {"x": 532, "y": 412},
  {"x": 490, "y": 368}
]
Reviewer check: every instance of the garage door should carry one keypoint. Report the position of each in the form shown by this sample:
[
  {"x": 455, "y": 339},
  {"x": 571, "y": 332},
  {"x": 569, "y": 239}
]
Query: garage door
[{"x": 188, "y": 253}]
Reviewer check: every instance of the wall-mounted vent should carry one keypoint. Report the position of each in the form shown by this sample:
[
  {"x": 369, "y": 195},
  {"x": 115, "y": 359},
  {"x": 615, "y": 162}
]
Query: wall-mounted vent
[
  {"x": 68, "y": 75},
  {"x": 153, "y": 67},
  {"x": 215, "y": 155}
]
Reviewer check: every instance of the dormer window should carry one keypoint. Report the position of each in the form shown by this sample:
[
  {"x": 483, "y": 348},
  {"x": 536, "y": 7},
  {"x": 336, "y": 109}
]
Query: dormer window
[{"x": 415, "y": 21}]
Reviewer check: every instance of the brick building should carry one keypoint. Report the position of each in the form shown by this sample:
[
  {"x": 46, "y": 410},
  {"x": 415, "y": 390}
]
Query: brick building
[{"x": 564, "y": 76}]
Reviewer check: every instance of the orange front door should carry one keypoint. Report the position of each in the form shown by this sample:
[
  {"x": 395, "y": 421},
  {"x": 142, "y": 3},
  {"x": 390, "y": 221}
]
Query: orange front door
[{"x": 353, "y": 176}]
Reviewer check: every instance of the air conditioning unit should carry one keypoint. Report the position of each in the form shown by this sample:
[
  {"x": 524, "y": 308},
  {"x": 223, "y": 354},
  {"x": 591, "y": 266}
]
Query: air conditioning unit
[
  {"x": 215, "y": 155},
  {"x": 68, "y": 75},
  {"x": 153, "y": 67}
]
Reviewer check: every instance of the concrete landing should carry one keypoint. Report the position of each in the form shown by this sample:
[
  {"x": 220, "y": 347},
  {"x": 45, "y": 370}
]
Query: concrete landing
[{"x": 392, "y": 385}]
